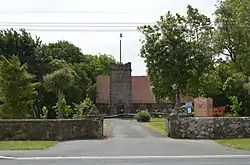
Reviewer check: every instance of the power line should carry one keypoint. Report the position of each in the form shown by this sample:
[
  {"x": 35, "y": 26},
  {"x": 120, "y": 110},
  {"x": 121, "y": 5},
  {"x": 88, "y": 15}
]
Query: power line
[
  {"x": 82, "y": 30},
  {"x": 89, "y": 26},
  {"x": 75, "y": 23},
  {"x": 62, "y": 12}
]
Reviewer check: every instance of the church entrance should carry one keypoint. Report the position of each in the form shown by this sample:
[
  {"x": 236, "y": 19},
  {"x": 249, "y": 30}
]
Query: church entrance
[{"x": 120, "y": 109}]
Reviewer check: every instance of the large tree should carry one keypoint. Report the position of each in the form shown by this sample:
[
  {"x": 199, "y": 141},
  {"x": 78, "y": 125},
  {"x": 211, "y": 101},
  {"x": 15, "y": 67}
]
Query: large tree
[
  {"x": 233, "y": 32},
  {"x": 25, "y": 47},
  {"x": 232, "y": 40},
  {"x": 63, "y": 50},
  {"x": 177, "y": 50},
  {"x": 17, "y": 90}
]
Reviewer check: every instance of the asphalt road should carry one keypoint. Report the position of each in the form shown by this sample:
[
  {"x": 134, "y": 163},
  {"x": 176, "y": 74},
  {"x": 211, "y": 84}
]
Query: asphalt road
[{"x": 130, "y": 143}]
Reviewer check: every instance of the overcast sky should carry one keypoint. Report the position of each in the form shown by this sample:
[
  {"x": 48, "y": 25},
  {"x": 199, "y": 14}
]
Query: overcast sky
[{"x": 137, "y": 11}]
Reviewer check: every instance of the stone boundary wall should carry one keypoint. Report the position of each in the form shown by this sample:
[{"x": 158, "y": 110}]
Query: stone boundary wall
[
  {"x": 209, "y": 127},
  {"x": 51, "y": 129}
]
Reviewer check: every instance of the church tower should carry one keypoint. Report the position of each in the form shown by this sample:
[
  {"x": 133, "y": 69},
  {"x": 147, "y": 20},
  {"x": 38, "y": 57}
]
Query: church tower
[{"x": 120, "y": 89}]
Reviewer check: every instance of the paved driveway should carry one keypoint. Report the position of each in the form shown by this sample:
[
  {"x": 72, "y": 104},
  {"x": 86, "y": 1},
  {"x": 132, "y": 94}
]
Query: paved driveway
[{"x": 131, "y": 143}]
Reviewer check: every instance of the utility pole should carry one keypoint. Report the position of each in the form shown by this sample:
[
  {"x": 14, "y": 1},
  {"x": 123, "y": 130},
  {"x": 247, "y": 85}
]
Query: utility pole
[{"x": 120, "y": 48}]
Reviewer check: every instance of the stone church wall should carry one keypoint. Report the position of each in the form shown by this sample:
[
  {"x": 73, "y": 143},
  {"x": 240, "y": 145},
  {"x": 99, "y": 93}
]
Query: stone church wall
[{"x": 120, "y": 88}]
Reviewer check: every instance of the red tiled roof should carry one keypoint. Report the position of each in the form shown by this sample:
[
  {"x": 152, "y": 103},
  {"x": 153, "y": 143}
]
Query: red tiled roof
[
  {"x": 102, "y": 83},
  {"x": 141, "y": 91}
]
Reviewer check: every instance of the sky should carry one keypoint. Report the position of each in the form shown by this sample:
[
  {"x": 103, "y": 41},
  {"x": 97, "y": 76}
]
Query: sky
[{"x": 96, "y": 11}]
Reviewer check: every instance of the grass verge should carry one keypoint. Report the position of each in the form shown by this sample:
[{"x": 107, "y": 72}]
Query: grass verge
[
  {"x": 235, "y": 143},
  {"x": 158, "y": 127},
  {"x": 26, "y": 145},
  {"x": 157, "y": 119}
]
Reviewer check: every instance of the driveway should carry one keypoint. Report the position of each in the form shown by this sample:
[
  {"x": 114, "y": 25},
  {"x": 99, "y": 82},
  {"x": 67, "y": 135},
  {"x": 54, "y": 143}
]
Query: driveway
[{"x": 131, "y": 142}]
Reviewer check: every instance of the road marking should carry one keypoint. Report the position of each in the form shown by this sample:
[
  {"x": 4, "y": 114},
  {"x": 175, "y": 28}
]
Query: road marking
[{"x": 129, "y": 157}]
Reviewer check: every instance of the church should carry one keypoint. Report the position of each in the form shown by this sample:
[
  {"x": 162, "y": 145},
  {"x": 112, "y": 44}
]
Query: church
[{"x": 122, "y": 93}]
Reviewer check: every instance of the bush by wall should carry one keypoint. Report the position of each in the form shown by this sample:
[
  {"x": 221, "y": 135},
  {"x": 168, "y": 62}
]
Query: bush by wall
[{"x": 142, "y": 116}]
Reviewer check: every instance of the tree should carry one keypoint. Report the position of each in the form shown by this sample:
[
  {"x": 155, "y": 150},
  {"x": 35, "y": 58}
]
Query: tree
[
  {"x": 58, "y": 81},
  {"x": 86, "y": 68},
  {"x": 63, "y": 50},
  {"x": 17, "y": 88},
  {"x": 177, "y": 50},
  {"x": 232, "y": 36},
  {"x": 26, "y": 48},
  {"x": 233, "y": 41}
]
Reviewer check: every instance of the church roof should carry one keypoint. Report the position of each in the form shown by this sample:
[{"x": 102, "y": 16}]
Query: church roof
[{"x": 141, "y": 91}]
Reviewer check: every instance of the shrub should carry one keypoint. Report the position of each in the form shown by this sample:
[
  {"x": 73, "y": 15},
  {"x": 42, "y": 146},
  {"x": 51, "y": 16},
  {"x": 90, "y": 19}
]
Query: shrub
[
  {"x": 142, "y": 116},
  {"x": 82, "y": 108},
  {"x": 44, "y": 114},
  {"x": 62, "y": 109},
  {"x": 236, "y": 106}
]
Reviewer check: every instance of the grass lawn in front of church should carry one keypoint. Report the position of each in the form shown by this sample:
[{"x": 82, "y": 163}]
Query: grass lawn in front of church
[
  {"x": 158, "y": 127},
  {"x": 235, "y": 143},
  {"x": 26, "y": 145},
  {"x": 158, "y": 119}
]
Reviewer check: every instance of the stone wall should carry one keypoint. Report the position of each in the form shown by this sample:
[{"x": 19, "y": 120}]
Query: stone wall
[
  {"x": 49, "y": 129},
  {"x": 209, "y": 127}
]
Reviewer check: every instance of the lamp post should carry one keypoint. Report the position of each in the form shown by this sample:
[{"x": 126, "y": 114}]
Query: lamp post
[
  {"x": 120, "y": 48},
  {"x": 177, "y": 98}
]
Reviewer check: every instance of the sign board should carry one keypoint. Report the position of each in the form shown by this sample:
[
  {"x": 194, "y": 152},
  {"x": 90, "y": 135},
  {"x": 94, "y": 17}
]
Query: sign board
[
  {"x": 202, "y": 106},
  {"x": 189, "y": 107}
]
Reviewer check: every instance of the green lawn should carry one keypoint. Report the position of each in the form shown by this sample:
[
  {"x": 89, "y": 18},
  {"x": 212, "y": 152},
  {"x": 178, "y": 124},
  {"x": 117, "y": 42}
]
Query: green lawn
[
  {"x": 158, "y": 127},
  {"x": 236, "y": 143},
  {"x": 26, "y": 145},
  {"x": 157, "y": 119}
]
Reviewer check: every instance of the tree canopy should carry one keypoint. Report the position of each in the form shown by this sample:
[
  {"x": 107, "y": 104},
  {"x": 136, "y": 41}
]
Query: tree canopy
[
  {"x": 177, "y": 50},
  {"x": 204, "y": 58},
  {"x": 51, "y": 77}
]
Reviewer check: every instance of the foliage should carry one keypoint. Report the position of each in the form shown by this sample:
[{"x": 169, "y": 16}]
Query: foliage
[
  {"x": 82, "y": 108},
  {"x": 233, "y": 41},
  {"x": 59, "y": 80},
  {"x": 178, "y": 48},
  {"x": 204, "y": 60},
  {"x": 44, "y": 114},
  {"x": 26, "y": 48},
  {"x": 63, "y": 51},
  {"x": 142, "y": 116},
  {"x": 60, "y": 67},
  {"x": 62, "y": 109},
  {"x": 236, "y": 106},
  {"x": 232, "y": 35},
  {"x": 18, "y": 92}
]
